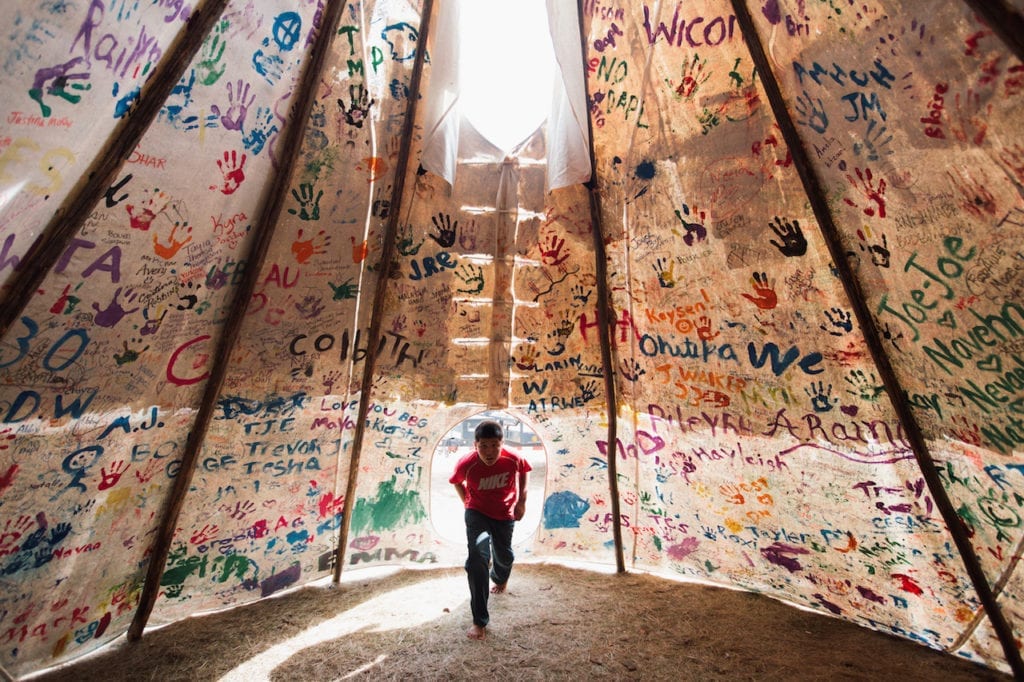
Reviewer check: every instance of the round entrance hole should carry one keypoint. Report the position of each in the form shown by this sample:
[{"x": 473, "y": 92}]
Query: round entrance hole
[{"x": 446, "y": 510}]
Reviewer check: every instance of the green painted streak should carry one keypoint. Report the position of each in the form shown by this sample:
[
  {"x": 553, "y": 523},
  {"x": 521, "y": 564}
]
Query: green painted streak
[{"x": 389, "y": 510}]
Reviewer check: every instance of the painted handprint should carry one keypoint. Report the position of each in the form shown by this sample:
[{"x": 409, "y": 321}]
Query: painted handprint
[
  {"x": 345, "y": 290},
  {"x": 631, "y": 369},
  {"x": 840, "y": 322},
  {"x": 793, "y": 241},
  {"x": 704, "y": 329},
  {"x": 239, "y": 102},
  {"x": 406, "y": 242},
  {"x": 551, "y": 252},
  {"x": 527, "y": 358},
  {"x": 309, "y": 307},
  {"x": 114, "y": 312},
  {"x": 879, "y": 251},
  {"x": 874, "y": 142},
  {"x": 360, "y": 250},
  {"x": 970, "y": 123},
  {"x": 129, "y": 355},
  {"x": 695, "y": 231},
  {"x": 330, "y": 379},
  {"x": 666, "y": 277},
  {"x": 875, "y": 194},
  {"x": 59, "y": 75},
  {"x": 765, "y": 297},
  {"x": 446, "y": 231},
  {"x": 309, "y": 206},
  {"x": 108, "y": 479},
  {"x": 358, "y": 110},
  {"x": 209, "y": 68},
  {"x": 693, "y": 77},
  {"x": 232, "y": 173},
  {"x": 965, "y": 431},
  {"x": 581, "y": 295},
  {"x": 588, "y": 391},
  {"x": 141, "y": 216},
  {"x": 821, "y": 396},
  {"x": 467, "y": 237},
  {"x": 170, "y": 249},
  {"x": 270, "y": 66},
  {"x": 263, "y": 129},
  {"x": 304, "y": 249},
  {"x": 864, "y": 386},
  {"x": 814, "y": 117},
  {"x": 472, "y": 276}
]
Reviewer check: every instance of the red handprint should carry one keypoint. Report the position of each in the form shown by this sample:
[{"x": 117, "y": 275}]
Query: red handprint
[
  {"x": 552, "y": 254},
  {"x": 108, "y": 479},
  {"x": 871, "y": 192},
  {"x": 765, "y": 298},
  {"x": 231, "y": 170}
]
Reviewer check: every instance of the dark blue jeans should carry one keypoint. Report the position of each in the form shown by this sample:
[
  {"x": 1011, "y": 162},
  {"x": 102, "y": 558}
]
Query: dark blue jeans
[{"x": 484, "y": 534}]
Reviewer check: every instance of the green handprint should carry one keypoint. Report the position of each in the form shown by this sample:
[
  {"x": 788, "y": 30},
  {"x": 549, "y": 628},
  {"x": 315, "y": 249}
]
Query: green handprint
[
  {"x": 473, "y": 276},
  {"x": 210, "y": 69}
]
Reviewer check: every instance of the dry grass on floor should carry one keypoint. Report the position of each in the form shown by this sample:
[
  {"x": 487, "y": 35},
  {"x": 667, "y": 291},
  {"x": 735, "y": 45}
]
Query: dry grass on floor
[{"x": 554, "y": 623}]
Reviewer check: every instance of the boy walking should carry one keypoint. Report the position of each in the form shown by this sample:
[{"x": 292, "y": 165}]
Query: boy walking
[{"x": 491, "y": 482}]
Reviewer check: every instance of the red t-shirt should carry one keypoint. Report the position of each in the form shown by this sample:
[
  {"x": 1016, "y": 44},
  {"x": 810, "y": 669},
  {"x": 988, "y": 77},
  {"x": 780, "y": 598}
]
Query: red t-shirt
[{"x": 491, "y": 490}]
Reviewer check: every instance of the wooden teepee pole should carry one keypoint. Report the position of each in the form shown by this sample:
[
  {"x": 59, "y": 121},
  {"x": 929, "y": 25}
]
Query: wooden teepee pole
[
  {"x": 383, "y": 277},
  {"x": 1005, "y": 23},
  {"x": 816, "y": 195},
  {"x": 264, "y": 231},
  {"x": 604, "y": 313},
  {"x": 93, "y": 182}
]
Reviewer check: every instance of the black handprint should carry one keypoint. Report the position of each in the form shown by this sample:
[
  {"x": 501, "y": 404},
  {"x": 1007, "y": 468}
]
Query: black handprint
[
  {"x": 879, "y": 252},
  {"x": 358, "y": 112},
  {"x": 306, "y": 199},
  {"x": 793, "y": 241},
  {"x": 446, "y": 231}
]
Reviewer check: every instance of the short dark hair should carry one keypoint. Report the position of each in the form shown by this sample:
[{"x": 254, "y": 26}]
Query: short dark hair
[{"x": 488, "y": 429}]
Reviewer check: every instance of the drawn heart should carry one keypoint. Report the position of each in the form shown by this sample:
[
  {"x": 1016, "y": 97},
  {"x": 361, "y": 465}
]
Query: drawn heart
[
  {"x": 991, "y": 364},
  {"x": 849, "y": 410},
  {"x": 947, "y": 320}
]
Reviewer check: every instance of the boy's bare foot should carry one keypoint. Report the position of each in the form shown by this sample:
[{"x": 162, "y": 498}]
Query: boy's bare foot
[
  {"x": 498, "y": 589},
  {"x": 476, "y": 632}
]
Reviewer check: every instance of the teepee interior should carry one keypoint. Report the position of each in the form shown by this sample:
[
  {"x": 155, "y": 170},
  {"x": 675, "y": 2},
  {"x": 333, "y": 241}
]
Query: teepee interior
[{"x": 747, "y": 290}]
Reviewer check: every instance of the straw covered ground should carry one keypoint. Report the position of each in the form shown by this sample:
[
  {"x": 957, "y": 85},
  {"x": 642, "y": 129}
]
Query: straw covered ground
[{"x": 554, "y": 623}]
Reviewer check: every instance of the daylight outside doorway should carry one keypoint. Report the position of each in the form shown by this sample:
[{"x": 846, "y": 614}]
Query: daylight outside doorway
[{"x": 446, "y": 509}]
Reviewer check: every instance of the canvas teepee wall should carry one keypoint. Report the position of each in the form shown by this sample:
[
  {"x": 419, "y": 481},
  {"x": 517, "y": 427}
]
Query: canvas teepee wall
[{"x": 774, "y": 343}]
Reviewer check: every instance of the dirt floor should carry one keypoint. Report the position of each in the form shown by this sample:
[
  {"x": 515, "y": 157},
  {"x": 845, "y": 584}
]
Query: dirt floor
[{"x": 554, "y": 623}]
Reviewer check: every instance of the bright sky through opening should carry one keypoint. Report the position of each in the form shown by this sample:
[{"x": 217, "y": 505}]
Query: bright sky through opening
[{"x": 506, "y": 68}]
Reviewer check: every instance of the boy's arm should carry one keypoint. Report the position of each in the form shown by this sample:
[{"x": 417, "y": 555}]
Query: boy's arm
[
  {"x": 461, "y": 490},
  {"x": 520, "y": 508}
]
